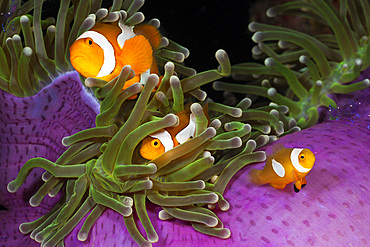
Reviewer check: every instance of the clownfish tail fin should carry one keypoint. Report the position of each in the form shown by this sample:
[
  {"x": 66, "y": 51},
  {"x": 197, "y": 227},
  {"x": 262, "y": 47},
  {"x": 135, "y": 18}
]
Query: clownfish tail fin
[
  {"x": 254, "y": 176},
  {"x": 151, "y": 33}
]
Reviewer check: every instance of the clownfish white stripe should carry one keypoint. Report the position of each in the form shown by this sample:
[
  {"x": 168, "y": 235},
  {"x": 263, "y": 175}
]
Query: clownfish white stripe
[
  {"x": 127, "y": 33},
  {"x": 109, "y": 58},
  {"x": 278, "y": 168},
  {"x": 188, "y": 132},
  {"x": 144, "y": 77},
  {"x": 294, "y": 158},
  {"x": 165, "y": 138}
]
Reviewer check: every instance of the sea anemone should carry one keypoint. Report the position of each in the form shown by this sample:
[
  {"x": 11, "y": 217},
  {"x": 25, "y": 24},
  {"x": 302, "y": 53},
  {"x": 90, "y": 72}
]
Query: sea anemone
[
  {"x": 303, "y": 71},
  {"x": 101, "y": 168},
  {"x": 106, "y": 193}
]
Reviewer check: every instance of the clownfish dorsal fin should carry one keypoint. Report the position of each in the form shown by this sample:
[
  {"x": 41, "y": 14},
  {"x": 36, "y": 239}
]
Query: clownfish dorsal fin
[
  {"x": 277, "y": 148},
  {"x": 137, "y": 53},
  {"x": 151, "y": 33}
]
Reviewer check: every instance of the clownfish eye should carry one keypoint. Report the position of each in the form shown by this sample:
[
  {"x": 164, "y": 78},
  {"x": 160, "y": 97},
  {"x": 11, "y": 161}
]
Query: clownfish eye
[
  {"x": 89, "y": 41},
  {"x": 155, "y": 143},
  {"x": 302, "y": 157}
]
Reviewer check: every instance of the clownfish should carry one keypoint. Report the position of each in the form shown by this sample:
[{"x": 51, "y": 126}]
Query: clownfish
[
  {"x": 164, "y": 140},
  {"x": 284, "y": 166},
  {"x": 106, "y": 48}
]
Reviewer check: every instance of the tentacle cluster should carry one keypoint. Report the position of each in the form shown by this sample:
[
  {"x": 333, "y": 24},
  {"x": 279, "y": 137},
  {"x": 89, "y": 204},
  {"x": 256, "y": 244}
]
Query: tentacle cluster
[
  {"x": 102, "y": 167},
  {"x": 302, "y": 71},
  {"x": 28, "y": 65}
]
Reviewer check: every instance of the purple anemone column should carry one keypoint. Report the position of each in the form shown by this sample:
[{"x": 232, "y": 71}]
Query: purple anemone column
[{"x": 34, "y": 127}]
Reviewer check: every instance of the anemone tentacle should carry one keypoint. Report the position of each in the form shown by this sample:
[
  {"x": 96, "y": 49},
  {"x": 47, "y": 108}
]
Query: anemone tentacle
[
  {"x": 102, "y": 169},
  {"x": 306, "y": 69}
]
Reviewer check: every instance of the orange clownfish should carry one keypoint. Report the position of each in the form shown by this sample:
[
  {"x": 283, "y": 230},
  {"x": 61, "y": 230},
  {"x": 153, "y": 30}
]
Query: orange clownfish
[
  {"x": 164, "y": 140},
  {"x": 106, "y": 48},
  {"x": 284, "y": 166}
]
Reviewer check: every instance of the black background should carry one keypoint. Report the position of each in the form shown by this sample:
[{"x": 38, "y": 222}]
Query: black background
[{"x": 204, "y": 27}]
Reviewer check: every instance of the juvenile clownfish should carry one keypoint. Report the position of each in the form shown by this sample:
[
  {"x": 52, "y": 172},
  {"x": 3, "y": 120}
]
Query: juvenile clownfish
[
  {"x": 164, "y": 140},
  {"x": 106, "y": 48},
  {"x": 284, "y": 166}
]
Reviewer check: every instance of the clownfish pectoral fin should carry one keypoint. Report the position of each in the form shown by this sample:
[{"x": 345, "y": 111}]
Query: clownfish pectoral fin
[
  {"x": 278, "y": 186},
  {"x": 151, "y": 33},
  {"x": 137, "y": 53},
  {"x": 254, "y": 176},
  {"x": 277, "y": 147}
]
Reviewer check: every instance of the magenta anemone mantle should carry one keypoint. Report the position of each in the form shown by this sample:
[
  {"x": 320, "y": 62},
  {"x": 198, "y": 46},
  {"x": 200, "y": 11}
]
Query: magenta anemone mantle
[
  {"x": 34, "y": 127},
  {"x": 100, "y": 192},
  {"x": 331, "y": 210}
]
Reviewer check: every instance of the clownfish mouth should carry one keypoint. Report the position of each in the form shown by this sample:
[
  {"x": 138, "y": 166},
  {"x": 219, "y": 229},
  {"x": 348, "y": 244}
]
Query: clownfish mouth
[
  {"x": 76, "y": 57},
  {"x": 76, "y": 62}
]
